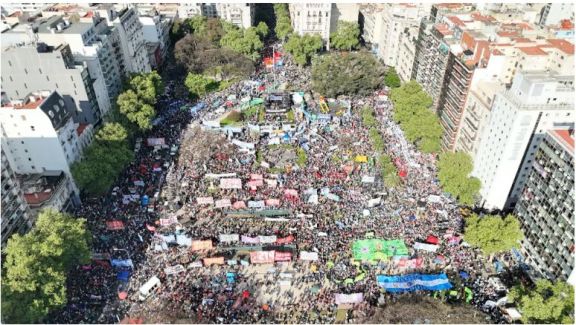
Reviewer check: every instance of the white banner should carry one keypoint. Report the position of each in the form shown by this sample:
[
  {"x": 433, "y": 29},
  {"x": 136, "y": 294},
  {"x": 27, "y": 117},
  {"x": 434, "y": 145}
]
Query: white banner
[
  {"x": 223, "y": 203},
  {"x": 205, "y": 200},
  {"x": 434, "y": 199},
  {"x": 374, "y": 202},
  {"x": 174, "y": 269},
  {"x": 367, "y": 179},
  {"x": 231, "y": 183},
  {"x": 271, "y": 182},
  {"x": 265, "y": 164},
  {"x": 267, "y": 239},
  {"x": 426, "y": 247},
  {"x": 229, "y": 238},
  {"x": 256, "y": 204},
  {"x": 242, "y": 144},
  {"x": 348, "y": 299},
  {"x": 195, "y": 264},
  {"x": 226, "y": 175},
  {"x": 308, "y": 256},
  {"x": 168, "y": 221}
]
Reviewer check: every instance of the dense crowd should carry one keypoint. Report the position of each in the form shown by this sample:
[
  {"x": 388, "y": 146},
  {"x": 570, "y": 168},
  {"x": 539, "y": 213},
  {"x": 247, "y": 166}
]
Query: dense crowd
[{"x": 287, "y": 292}]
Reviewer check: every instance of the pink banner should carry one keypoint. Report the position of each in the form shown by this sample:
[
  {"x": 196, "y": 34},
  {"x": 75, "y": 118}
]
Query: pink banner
[
  {"x": 224, "y": 203},
  {"x": 199, "y": 245},
  {"x": 155, "y": 141},
  {"x": 271, "y": 183},
  {"x": 168, "y": 221},
  {"x": 205, "y": 200},
  {"x": 213, "y": 260},
  {"x": 348, "y": 299},
  {"x": 256, "y": 177},
  {"x": 409, "y": 263},
  {"x": 250, "y": 240},
  {"x": 262, "y": 257},
  {"x": 282, "y": 256},
  {"x": 255, "y": 183},
  {"x": 285, "y": 240},
  {"x": 239, "y": 205},
  {"x": 290, "y": 193},
  {"x": 272, "y": 202},
  {"x": 231, "y": 183}
]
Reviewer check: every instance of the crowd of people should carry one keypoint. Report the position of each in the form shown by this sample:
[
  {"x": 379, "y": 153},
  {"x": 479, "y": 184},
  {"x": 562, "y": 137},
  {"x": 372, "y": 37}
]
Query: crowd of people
[{"x": 321, "y": 205}]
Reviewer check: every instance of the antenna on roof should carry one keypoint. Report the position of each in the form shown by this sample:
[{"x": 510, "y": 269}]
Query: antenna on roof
[{"x": 30, "y": 32}]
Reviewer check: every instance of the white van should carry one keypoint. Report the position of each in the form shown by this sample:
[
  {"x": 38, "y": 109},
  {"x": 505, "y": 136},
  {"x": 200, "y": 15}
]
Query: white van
[{"x": 148, "y": 288}]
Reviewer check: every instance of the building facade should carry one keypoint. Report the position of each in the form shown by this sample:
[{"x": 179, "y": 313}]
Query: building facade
[
  {"x": 312, "y": 18},
  {"x": 546, "y": 207},
  {"x": 156, "y": 31},
  {"x": 519, "y": 119},
  {"x": 132, "y": 42},
  {"x": 32, "y": 67},
  {"x": 16, "y": 217},
  {"x": 553, "y": 13}
]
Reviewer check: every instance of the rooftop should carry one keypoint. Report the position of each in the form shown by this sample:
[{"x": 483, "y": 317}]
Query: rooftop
[
  {"x": 562, "y": 45},
  {"x": 533, "y": 50},
  {"x": 81, "y": 128},
  {"x": 73, "y": 28},
  {"x": 564, "y": 138},
  {"x": 32, "y": 101},
  {"x": 40, "y": 188}
]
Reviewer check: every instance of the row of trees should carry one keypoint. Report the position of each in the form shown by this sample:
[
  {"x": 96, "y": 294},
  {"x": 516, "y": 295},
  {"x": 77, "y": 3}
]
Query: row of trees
[
  {"x": 354, "y": 73},
  {"x": 454, "y": 170},
  {"x": 110, "y": 152},
  {"x": 387, "y": 167},
  {"x": 283, "y": 24},
  {"x": 420, "y": 125},
  {"x": 36, "y": 266}
]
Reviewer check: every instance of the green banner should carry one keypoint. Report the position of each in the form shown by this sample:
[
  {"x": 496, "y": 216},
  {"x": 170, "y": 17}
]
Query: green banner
[{"x": 378, "y": 249}]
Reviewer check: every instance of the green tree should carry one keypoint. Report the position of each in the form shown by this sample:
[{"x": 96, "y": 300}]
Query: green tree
[
  {"x": 199, "y": 85},
  {"x": 137, "y": 102},
  {"x": 283, "y": 23},
  {"x": 302, "y": 157},
  {"x": 454, "y": 169},
  {"x": 198, "y": 24},
  {"x": 420, "y": 125},
  {"x": 262, "y": 30},
  {"x": 354, "y": 73},
  {"x": 391, "y": 79},
  {"x": 113, "y": 133},
  {"x": 346, "y": 36},
  {"x": 546, "y": 303},
  {"x": 493, "y": 234},
  {"x": 34, "y": 281},
  {"x": 303, "y": 47},
  {"x": 246, "y": 42}
]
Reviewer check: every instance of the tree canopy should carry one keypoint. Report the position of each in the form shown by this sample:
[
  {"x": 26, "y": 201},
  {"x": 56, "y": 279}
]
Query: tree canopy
[
  {"x": 112, "y": 133},
  {"x": 420, "y": 125},
  {"x": 493, "y": 234},
  {"x": 262, "y": 30},
  {"x": 346, "y": 74},
  {"x": 546, "y": 303},
  {"x": 392, "y": 79},
  {"x": 346, "y": 36},
  {"x": 454, "y": 169},
  {"x": 34, "y": 280},
  {"x": 304, "y": 47},
  {"x": 199, "y": 85},
  {"x": 137, "y": 102},
  {"x": 244, "y": 41},
  {"x": 283, "y": 23}
]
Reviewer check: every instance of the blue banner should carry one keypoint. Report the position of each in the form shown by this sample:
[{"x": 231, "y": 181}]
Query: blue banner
[
  {"x": 122, "y": 263},
  {"x": 412, "y": 282}
]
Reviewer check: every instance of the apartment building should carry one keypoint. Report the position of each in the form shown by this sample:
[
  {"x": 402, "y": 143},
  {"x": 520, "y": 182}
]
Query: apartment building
[
  {"x": 40, "y": 135},
  {"x": 546, "y": 207},
  {"x": 132, "y": 42},
  {"x": 49, "y": 189},
  {"x": 312, "y": 18},
  {"x": 349, "y": 12},
  {"x": 156, "y": 31},
  {"x": 16, "y": 216},
  {"x": 520, "y": 116},
  {"x": 39, "y": 66},
  {"x": 553, "y": 13}
]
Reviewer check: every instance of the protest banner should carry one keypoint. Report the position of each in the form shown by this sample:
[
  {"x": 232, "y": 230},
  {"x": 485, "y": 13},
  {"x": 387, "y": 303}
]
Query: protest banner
[
  {"x": 205, "y": 200},
  {"x": 231, "y": 183},
  {"x": 250, "y": 240},
  {"x": 174, "y": 269},
  {"x": 200, "y": 245},
  {"x": 282, "y": 256},
  {"x": 262, "y": 257},
  {"x": 352, "y": 298},
  {"x": 285, "y": 240},
  {"x": 168, "y": 221},
  {"x": 272, "y": 202},
  {"x": 426, "y": 247},
  {"x": 155, "y": 142},
  {"x": 239, "y": 205},
  {"x": 267, "y": 239},
  {"x": 255, "y": 183},
  {"x": 223, "y": 203},
  {"x": 232, "y": 238},
  {"x": 213, "y": 260},
  {"x": 256, "y": 204},
  {"x": 308, "y": 256},
  {"x": 367, "y": 179}
]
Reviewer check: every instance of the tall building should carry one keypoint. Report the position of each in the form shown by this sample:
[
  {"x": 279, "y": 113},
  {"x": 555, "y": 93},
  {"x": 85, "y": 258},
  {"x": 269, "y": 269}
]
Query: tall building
[
  {"x": 132, "y": 42},
  {"x": 39, "y": 134},
  {"x": 16, "y": 216},
  {"x": 553, "y": 13},
  {"x": 343, "y": 12},
  {"x": 38, "y": 66},
  {"x": 519, "y": 119},
  {"x": 239, "y": 14},
  {"x": 546, "y": 207},
  {"x": 156, "y": 29},
  {"x": 312, "y": 18}
]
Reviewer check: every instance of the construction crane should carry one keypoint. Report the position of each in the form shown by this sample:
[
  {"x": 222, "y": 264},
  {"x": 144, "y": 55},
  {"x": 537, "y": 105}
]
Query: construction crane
[{"x": 323, "y": 105}]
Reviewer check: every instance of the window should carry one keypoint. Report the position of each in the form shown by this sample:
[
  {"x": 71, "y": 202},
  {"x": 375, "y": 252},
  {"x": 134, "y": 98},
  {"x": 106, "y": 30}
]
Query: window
[
  {"x": 11, "y": 78},
  {"x": 33, "y": 167},
  {"x": 23, "y": 117},
  {"x": 9, "y": 63},
  {"x": 29, "y": 159},
  {"x": 25, "y": 86},
  {"x": 47, "y": 78},
  {"x": 32, "y": 128},
  {"x": 40, "y": 70}
]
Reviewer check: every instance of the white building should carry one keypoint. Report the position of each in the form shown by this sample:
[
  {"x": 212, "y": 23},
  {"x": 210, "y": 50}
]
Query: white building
[
  {"x": 312, "y": 18},
  {"x": 519, "y": 119},
  {"x": 239, "y": 14},
  {"x": 156, "y": 31},
  {"x": 343, "y": 12},
  {"x": 553, "y": 13},
  {"x": 39, "y": 134}
]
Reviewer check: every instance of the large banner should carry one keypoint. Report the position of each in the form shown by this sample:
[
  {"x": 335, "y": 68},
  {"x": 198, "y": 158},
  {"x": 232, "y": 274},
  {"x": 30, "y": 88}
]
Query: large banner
[
  {"x": 378, "y": 249},
  {"x": 255, "y": 183},
  {"x": 262, "y": 257},
  {"x": 426, "y": 247},
  {"x": 256, "y": 204},
  {"x": 122, "y": 263},
  {"x": 213, "y": 260},
  {"x": 168, "y": 221},
  {"x": 256, "y": 177},
  {"x": 267, "y": 239},
  {"x": 174, "y": 269},
  {"x": 367, "y": 179},
  {"x": 412, "y": 282},
  {"x": 352, "y": 298},
  {"x": 308, "y": 256},
  {"x": 404, "y": 262},
  {"x": 285, "y": 240},
  {"x": 205, "y": 200},
  {"x": 272, "y": 202},
  {"x": 231, "y": 183},
  {"x": 239, "y": 205},
  {"x": 271, "y": 182},
  {"x": 223, "y": 203},
  {"x": 282, "y": 256},
  {"x": 250, "y": 240},
  {"x": 232, "y": 238},
  {"x": 155, "y": 141},
  {"x": 199, "y": 245},
  {"x": 242, "y": 144}
]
